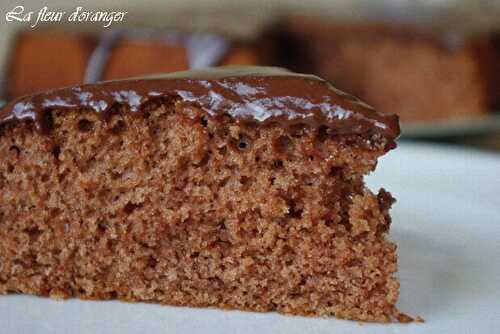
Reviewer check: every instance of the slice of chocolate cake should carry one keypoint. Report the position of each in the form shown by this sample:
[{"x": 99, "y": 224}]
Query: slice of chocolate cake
[{"x": 231, "y": 187}]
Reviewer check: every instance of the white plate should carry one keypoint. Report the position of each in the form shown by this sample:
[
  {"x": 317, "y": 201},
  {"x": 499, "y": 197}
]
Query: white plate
[{"x": 447, "y": 226}]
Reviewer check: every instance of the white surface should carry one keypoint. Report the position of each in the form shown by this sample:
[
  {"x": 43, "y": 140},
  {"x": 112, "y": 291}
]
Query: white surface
[{"x": 447, "y": 226}]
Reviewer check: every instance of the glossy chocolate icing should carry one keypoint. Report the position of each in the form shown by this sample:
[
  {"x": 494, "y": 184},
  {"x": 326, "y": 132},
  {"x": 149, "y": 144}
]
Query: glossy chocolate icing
[{"x": 260, "y": 95}]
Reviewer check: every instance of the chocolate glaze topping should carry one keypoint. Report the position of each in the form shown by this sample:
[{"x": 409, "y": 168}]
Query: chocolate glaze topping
[{"x": 260, "y": 95}]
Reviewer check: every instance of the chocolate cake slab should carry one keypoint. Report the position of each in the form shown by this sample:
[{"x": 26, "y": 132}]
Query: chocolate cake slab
[{"x": 232, "y": 187}]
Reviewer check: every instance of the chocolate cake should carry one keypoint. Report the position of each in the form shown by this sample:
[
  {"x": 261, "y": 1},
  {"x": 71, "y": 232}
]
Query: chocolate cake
[
  {"x": 72, "y": 58},
  {"x": 488, "y": 50},
  {"x": 421, "y": 75},
  {"x": 237, "y": 187}
]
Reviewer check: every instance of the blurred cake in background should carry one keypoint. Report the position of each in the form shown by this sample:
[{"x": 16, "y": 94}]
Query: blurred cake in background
[
  {"x": 45, "y": 59},
  {"x": 488, "y": 49},
  {"x": 422, "y": 74},
  {"x": 419, "y": 74}
]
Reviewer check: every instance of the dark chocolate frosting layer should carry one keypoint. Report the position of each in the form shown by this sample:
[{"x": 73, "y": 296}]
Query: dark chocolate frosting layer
[{"x": 261, "y": 95}]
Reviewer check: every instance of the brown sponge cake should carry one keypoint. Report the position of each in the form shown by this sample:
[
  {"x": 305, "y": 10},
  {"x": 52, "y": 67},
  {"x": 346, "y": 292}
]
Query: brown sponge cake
[{"x": 231, "y": 187}]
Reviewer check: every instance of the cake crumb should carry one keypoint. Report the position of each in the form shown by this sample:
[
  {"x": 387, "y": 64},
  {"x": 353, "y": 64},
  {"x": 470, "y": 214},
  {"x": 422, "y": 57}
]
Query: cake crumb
[
  {"x": 404, "y": 318},
  {"x": 419, "y": 319}
]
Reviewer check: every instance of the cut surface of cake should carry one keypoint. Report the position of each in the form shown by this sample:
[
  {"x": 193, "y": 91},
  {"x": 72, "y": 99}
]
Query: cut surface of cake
[{"x": 236, "y": 187}]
